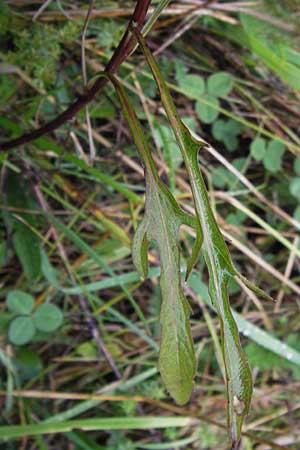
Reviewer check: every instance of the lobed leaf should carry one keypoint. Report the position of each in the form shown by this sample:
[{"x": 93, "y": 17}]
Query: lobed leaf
[
  {"x": 161, "y": 224},
  {"x": 218, "y": 260}
]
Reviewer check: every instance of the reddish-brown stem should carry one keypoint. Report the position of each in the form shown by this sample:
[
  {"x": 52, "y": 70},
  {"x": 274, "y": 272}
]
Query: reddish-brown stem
[{"x": 121, "y": 53}]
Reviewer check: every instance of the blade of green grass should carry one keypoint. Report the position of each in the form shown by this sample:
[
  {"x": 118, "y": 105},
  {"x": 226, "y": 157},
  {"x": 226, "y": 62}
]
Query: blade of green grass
[
  {"x": 107, "y": 423},
  {"x": 167, "y": 445}
]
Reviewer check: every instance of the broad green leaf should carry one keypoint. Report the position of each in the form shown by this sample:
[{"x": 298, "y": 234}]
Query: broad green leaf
[
  {"x": 258, "y": 148},
  {"x": 193, "y": 84},
  {"x": 220, "y": 84},
  {"x": 28, "y": 364},
  {"x": 21, "y": 330},
  {"x": 295, "y": 187},
  {"x": 218, "y": 129},
  {"x": 233, "y": 127},
  {"x": 19, "y": 302},
  {"x": 273, "y": 155},
  {"x": 227, "y": 131},
  {"x": 220, "y": 176},
  {"x": 180, "y": 70},
  {"x": 103, "y": 111},
  {"x": 296, "y": 214},
  {"x": 25, "y": 241},
  {"x": 47, "y": 318},
  {"x": 297, "y": 165},
  {"x": 238, "y": 374},
  {"x": 231, "y": 142},
  {"x": 27, "y": 247},
  {"x": 161, "y": 224},
  {"x": 207, "y": 112}
]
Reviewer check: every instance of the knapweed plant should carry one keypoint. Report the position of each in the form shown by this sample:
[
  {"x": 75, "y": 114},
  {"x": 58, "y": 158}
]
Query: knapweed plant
[
  {"x": 162, "y": 220},
  {"x": 161, "y": 224}
]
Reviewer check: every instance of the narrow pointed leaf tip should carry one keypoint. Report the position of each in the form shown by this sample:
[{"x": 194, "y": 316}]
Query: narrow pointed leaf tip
[
  {"x": 218, "y": 260},
  {"x": 162, "y": 220}
]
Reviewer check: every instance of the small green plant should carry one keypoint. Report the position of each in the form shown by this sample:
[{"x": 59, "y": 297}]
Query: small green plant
[
  {"x": 35, "y": 47},
  {"x": 217, "y": 86},
  {"x": 227, "y": 131},
  {"x": 26, "y": 320},
  {"x": 270, "y": 153},
  {"x": 211, "y": 90}
]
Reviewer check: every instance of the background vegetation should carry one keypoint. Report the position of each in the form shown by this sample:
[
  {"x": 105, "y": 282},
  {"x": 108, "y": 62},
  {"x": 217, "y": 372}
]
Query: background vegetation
[{"x": 79, "y": 329}]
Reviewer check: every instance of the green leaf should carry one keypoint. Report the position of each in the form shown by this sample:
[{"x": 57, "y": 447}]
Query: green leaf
[
  {"x": 165, "y": 139},
  {"x": 227, "y": 131},
  {"x": 27, "y": 248},
  {"x": 233, "y": 127},
  {"x": 223, "y": 177},
  {"x": 236, "y": 218},
  {"x": 207, "y": 113},
  {"x": 191, "y": 123},
  {"x": 273, "y": 155},
  {"x": 218, "y": 129},
  {"x": 180, "y": 70},
  {"x": 27, "y": 363},
  {"x": 217, "y": 257},
  {"x": 47, "y": 317},
  {"x": 296, "y": 214},
  {"x": 48, "y": 270},
  {"x": 19, "y": 302},
  {"x": 220, "y": 84},
  {"x": 140, "y": 246},
  {"x": 297, "y": 165},
  {"x": 295, "y": 187},
  {"x": 105, "y": 111},
  {"x": 21, "y": 330},
  {"x": 88, "y": 350},
  {"x": 231, "y": 142},
  {"x": 193, "y": 84},
  {"x": 161, "y": 224},
  {"x": 258, "y": 148},
  {"x": 25, "y": 241},
  {"x": 219, "y": 176}
]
